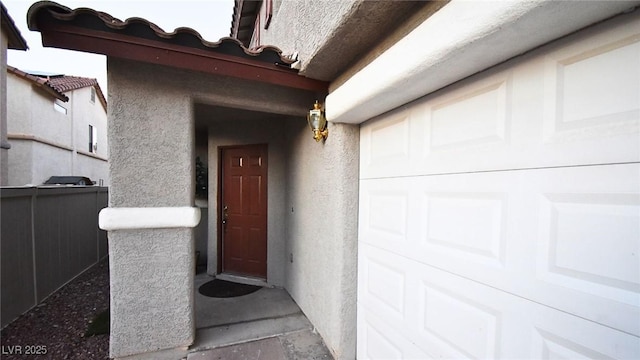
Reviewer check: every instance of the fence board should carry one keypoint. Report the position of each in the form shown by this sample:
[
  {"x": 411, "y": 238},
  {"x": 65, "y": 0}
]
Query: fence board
[{"x": 57, "y": 227}]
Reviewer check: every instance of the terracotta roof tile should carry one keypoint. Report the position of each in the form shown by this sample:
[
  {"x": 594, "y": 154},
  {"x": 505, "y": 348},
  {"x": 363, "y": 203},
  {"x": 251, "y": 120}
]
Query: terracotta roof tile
[
  {"x": 40, "y": 82},
  {"x": 139, "y": 27},
  {"x": 57, "y": 85},
  {"x": 68, "y": 83},
  {"x": 138, "y": 39}
]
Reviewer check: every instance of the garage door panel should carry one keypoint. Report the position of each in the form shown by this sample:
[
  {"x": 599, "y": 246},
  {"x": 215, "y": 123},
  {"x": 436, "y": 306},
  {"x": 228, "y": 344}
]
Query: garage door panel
[
  {"x": 446, "y": 313},
  {"x": 448, "y": 126},
  {"x": 593, "y": 238},
  {"x": 441, "y": 321},
  {"x": 565, "y": 237},
  {"x": 593, "y": 86},
  {"x": 454, "y": 317},
  {"x": 575, "y": 103},
  {"x": 387, "y": 144},
  {"x": 387, "y": 213},
  {"x": 457, "y": 220},
  {"x": 376, "y": 341},
  {"x": 500, "y": 217},
  {"x": 467, "y": 225},
  {"x": 386, "y": 287}
]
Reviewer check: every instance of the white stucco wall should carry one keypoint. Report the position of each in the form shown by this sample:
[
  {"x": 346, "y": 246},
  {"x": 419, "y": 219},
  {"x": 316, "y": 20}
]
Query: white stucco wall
[
  {"x": 322, "y": 221},
  {"x": 44, "y": 120},
  {"x": 18, "y": 115},
  {"x": 88, "y": 113},
  {"x": 20, "y": 162},
  {"x": 48, "y": 161},
  {"x": 94, "y": 168},
  {"x": 85, "y": 113},
  {"x": 4, "y": 144},
  {"x": 31, "y": 114},
  {"x": 224, "y": 132},
  {"x": 291, "y": 36}
]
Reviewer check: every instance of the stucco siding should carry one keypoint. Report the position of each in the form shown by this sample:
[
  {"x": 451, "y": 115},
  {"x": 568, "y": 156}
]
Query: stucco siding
[
  {"x": 18, "y": 115},
  {"x": 49, "y": 161},
  {"x": 95, "y": 169},
  {"x": 151, "y": 151},
  {"x": 20, "y": 163},
  {"x": 57, "y": 140},
  {"x": 153, "y": 116},
  {"x": 151, "y": 274},
  {"x": 4, "y": 145},
  {"x": 155, "y": 122},
  {"x": 46, "y": 122},
  {"x": 152, "y": 156},
  {"x": 89, "y": 113},
  {"x": 322, "y": 231},
  {"x": 315, "y": 23}
]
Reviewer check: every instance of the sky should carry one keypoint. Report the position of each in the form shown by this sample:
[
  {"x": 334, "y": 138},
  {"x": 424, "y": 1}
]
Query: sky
[{"x": 211, "y": 18}]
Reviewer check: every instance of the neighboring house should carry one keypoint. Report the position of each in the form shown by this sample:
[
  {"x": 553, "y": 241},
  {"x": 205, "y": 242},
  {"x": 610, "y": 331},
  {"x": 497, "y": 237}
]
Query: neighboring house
[
  {"x": 477, "y": 195},
  {"x": 57, "y": 126},
  {"x": 10, "y": 39}
]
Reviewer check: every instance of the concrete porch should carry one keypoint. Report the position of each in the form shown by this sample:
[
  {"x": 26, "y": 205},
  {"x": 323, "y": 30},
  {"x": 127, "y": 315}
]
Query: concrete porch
[{"x": 265, "y": 324}]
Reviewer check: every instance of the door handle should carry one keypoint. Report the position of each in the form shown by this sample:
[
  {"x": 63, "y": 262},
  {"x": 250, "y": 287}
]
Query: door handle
[{"x": 225, "y": 216}]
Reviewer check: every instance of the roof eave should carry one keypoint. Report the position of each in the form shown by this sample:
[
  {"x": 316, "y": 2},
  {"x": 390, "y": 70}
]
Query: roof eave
[
  {"x": 15, "y": 39},
  {"x": 101, "y": 96},
  {"x": 155, "y": 52},
  {"x": 248, "y": 11}
]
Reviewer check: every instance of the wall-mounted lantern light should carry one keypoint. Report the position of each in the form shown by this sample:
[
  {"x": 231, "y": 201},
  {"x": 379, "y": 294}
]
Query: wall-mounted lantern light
[{"x": 318, "y": 122}]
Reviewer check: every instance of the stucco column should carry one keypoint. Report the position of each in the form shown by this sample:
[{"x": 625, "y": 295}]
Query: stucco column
[{"x": 150, "y": 218}]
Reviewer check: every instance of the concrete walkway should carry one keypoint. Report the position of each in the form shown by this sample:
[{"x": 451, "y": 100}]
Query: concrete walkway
[{"x": 266, "y": 324}]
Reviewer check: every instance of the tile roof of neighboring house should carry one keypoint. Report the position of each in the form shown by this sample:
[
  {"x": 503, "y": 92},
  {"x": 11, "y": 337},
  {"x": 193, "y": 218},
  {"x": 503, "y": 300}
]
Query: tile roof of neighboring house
[
  {"x": 42, "y": 83},
  {"x": 141, "y": 40},
  {"x": 57, "y": 85},
  {"x": 16, "y": 41},
  {"x": 66, "y": 83}
]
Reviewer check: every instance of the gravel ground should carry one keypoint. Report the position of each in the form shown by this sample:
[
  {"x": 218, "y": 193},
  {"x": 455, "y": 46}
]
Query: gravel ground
[{"x": 57, "y": 326}]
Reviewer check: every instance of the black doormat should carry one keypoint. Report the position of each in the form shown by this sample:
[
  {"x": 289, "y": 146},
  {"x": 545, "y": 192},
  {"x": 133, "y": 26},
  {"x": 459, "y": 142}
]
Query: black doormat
[{"x": 225, "y": 289}]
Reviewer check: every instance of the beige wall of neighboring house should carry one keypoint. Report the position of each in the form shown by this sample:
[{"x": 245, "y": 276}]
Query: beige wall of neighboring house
[
  {"x": 4, "y": 144},
  {"x": 50, "y": 137},
  {"x": 10, "y": 38}
]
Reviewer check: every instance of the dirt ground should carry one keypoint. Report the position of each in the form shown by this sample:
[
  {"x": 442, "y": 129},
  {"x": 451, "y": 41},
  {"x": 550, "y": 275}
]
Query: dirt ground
[{"x": 55, "y": 328}]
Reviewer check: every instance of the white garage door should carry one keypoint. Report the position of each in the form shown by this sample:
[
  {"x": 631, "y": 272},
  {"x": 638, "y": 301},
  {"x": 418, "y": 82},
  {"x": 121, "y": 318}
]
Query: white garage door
[{"x": 500, "y": 218}]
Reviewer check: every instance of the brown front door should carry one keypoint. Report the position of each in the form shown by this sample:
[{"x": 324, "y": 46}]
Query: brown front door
[{"x": 244, "y": 210}]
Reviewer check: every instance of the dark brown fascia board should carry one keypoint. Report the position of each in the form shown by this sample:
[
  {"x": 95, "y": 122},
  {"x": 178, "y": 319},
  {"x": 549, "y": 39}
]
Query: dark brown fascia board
[
  {"x": 157, "y": 52},
  {"x": 14, "y": 37}
]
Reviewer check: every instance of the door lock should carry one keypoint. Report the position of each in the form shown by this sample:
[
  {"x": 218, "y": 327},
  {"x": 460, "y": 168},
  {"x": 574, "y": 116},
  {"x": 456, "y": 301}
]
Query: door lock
[{"x": 225, "y": 215}]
